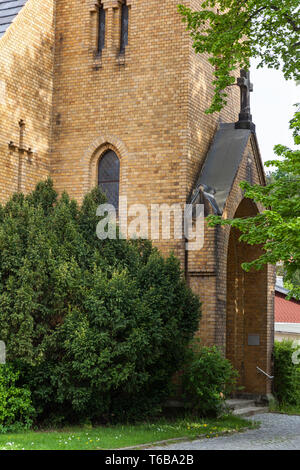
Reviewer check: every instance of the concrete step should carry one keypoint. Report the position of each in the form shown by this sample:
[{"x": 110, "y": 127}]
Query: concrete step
[
  {"x": 236, "y": 403},
  {"x": 250, "y": 411},
  {"x": 245, "y": 407}
]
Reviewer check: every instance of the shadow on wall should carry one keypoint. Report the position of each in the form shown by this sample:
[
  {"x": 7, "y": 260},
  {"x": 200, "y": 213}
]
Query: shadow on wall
[{"x": 28, "y": 94}]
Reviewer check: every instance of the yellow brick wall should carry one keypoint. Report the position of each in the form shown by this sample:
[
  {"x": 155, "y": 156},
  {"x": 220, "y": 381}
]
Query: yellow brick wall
[
  {"x": 148, "y": 105},
  {"x": 26, "y": 80},
  {"x": 202, "y": 127},
  {"x": 140, "y": 106}
]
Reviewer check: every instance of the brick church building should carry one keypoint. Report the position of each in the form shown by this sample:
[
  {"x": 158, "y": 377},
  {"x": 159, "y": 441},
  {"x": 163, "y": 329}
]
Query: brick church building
[{"x": 111, "y": 92}]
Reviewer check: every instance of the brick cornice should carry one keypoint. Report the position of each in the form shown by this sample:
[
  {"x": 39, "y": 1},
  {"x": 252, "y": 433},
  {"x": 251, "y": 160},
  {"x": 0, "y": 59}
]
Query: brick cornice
[
  {"x": 92, "y": 4},
  {"x": 111, "y": 4},
  {"x": 107, "y": 4}
]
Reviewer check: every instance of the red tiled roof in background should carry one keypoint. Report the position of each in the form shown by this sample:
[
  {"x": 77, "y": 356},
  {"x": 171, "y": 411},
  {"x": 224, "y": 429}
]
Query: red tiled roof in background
[{"x": 286, "y": 311}]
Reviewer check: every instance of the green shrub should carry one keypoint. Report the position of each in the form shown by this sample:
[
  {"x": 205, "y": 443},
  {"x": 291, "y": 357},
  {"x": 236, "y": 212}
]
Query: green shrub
[
  {"x": 207, "y": 380},
  {"x": 99, "y": 326},
  {"x": 286, "y": 373},
  {"x": 16, "y": 411}
]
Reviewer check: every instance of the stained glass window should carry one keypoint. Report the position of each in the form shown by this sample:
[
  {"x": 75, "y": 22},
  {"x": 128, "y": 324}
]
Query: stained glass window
[
  {"x": 109, "y": 177},
  {"x": 101, "y": 30},
  {"x": 124, "y": 27}
]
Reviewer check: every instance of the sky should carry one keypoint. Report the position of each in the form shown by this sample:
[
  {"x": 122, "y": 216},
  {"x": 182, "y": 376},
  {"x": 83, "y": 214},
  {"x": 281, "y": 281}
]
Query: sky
[{"x": 272, "y": 108}]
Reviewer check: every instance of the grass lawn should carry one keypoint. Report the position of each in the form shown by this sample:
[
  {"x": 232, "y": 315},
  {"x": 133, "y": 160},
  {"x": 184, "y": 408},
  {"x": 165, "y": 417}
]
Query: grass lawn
[
  {"x": 286, "y": 409},
  {"x": 114, "y": 437}
]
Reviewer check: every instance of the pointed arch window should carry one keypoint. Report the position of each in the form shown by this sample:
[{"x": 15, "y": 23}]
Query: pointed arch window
[
  {"x": 101, "y": 28},
  {"x": 109, "y": 177},
  {"x": 124, "y": 27}
]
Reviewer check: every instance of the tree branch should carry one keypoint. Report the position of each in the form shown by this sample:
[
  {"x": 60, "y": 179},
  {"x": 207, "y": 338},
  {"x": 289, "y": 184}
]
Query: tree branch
[{"x": 288, "y": 19}]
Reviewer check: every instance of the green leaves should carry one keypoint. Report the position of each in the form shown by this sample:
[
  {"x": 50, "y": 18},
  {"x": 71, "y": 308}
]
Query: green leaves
[
  {"x": 232, "y": 32},
  {"x": 98, "y": 328},
  {"x": 287, "y": 374},
  {"x": 277, "y": 228},
  {"x": 16, "y": 411}
]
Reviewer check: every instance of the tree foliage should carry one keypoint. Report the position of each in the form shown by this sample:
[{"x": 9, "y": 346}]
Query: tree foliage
[
  {"x": 97, "y": 327},
  {"x": 286, "y": 373},
  {"x": 233, "y": 31},
  {"x": 277, "y": 228}
]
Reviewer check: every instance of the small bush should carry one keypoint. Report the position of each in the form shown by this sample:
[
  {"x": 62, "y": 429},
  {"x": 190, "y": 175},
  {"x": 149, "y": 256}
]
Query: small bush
[
  {"x": 16, "y": 410},
  {"x": 287, "y": 374},
  {"x": 208, "y": 379}
]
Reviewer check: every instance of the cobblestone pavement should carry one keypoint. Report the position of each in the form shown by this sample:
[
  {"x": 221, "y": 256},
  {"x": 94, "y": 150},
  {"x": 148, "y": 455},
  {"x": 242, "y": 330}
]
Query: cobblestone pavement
[{"x": 277, "y": 432}]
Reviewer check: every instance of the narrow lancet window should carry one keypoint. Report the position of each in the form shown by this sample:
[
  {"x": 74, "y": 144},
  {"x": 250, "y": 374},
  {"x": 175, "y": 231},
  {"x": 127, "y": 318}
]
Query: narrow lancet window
[
  {"x": 101, "y": 28},
  {"x": 109, "y": 177},
  {"x": 124, "y": 27}
]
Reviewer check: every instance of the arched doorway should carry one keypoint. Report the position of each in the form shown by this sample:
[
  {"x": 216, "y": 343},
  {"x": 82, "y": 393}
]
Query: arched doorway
[{"x": 246, "y": 311}]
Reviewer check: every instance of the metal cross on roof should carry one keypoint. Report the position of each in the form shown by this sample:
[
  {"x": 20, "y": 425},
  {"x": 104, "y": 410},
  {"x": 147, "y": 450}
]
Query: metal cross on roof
[{"x": 246, "y": 87}]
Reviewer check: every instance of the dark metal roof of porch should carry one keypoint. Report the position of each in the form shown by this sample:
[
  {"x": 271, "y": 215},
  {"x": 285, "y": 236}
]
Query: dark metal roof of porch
[{"x": 221, "y": 164}]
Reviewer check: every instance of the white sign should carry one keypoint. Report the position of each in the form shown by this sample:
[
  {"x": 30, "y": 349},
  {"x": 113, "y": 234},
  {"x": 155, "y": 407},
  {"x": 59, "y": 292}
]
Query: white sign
[{"x": 2, "y": 352}]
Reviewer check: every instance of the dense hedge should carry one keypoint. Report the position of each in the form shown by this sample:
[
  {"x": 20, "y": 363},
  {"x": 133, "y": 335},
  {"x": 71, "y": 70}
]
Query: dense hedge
[
  {"x": 286, "y": 373},
  {"x": 97, "y": 328}
]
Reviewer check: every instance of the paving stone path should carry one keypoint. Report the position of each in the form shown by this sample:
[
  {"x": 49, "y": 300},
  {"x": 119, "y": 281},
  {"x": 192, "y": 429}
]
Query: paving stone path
[{"x": 277, "y": 432}]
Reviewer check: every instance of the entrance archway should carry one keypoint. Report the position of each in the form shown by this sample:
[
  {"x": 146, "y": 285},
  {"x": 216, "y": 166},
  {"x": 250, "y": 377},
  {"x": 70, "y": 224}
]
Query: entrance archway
[{"x": 246, "y": 311}]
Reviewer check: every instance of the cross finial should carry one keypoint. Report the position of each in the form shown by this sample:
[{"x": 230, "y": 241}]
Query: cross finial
[{"x": 246, "y": 87}]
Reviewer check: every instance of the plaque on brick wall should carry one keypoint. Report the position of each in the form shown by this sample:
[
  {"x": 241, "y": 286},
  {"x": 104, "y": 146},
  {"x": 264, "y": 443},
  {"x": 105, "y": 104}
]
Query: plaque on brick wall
[{"x": 253, "y": 340}]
